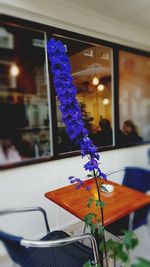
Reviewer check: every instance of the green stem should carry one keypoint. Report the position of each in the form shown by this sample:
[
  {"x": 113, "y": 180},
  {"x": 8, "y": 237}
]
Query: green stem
[
  {"x": 114, "y": 259},
  {"x": 102, "y": 216}
]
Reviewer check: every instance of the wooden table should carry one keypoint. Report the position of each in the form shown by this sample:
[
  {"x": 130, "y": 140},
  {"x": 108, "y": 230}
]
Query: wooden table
[{"x": 119, "y": 203}]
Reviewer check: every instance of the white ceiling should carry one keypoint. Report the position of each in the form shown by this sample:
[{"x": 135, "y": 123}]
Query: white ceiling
[{"x": 131, "y": 12}]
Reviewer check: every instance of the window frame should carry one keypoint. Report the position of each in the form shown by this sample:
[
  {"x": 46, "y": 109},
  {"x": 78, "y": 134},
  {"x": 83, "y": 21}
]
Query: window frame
[{"x": 50, "y": 31}]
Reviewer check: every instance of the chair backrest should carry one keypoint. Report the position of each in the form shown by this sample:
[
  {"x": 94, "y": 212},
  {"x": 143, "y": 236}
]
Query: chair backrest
[
  {"x": 138, "y": 179},
  {"x": 111, "y": 175},
  {"x": 17, "y": 252}
]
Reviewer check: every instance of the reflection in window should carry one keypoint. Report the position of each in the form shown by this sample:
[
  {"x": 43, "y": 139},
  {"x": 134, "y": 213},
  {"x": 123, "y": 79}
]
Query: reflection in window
[
  {"x": 134, "y": 100},
  {"x": 92, "y": 76},
  {"x": 24, "y": 119}
]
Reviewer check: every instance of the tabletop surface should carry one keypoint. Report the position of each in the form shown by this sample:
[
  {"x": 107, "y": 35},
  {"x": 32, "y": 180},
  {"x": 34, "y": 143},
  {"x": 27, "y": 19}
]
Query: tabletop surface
[{"x": 119, "y": 203}]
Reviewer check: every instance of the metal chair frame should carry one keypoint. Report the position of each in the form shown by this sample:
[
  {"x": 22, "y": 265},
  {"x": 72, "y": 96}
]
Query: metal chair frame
[
  {"x": 114, "y": 171},
  {"x": 27, "y": 209},
  {"x": 53, "y": 243}
]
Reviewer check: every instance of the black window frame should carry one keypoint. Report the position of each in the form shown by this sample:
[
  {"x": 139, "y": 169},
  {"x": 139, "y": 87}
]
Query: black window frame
[{"x": 50, "y": 31}]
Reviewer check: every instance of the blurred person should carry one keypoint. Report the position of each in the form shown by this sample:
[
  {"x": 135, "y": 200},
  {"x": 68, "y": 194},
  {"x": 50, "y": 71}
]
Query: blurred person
[
  {"x": 121, "y": 137},
  {"x": 13, "y": 148},
  {"x": 94, "y": 128},
  {"x": 93, "y": 132},
  {"x": 86, "y": 117},
  {"x": 65, "y": 144},
  {"x": 8, "y": 152},
  {"x": 130, "y": 131},
  {"x": 23, "y": 146},
  {"x": 104, "y": 136}
]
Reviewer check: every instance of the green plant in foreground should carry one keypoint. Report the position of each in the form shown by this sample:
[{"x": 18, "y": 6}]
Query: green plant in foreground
[{"x": 115, "y": 250}]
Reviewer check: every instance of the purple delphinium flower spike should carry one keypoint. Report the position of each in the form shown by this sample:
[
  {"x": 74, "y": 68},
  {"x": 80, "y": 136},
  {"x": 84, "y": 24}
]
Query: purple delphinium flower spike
[{"x": 71, "y": 112}]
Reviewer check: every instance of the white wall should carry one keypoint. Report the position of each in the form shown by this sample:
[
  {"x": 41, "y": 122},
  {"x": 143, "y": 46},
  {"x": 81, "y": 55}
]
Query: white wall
[
  {"x": 25, "y": 186},
  {"x": 65, "y": 15}
]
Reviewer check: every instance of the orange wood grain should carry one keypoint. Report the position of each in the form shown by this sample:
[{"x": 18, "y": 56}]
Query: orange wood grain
[{"x": 119, "y": 203}]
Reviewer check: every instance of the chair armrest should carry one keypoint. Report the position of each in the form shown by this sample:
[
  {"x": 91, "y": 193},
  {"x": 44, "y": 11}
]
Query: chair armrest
[
  {"x": 62, "y": 242},
  {"x": 115, "y": 171},
  {"x": 27, "y": 209}
]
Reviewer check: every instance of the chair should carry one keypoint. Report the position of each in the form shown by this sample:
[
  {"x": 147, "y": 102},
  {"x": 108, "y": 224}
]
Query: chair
[
  {"x": 55, "y": 249},
  {"x": 138, "y": 179}
]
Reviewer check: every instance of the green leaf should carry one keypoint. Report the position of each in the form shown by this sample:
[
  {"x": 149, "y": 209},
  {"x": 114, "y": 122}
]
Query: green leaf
[
  {"x": 90, "y": 201},
  {"x": 101, "y": 246},
  {"x": 89, "y": 175},
  {"x": 110, "y": 245},
  {"x": 101, "y": 204},
  {"x": 115, "y": 249},
  {"x": 121, "y": 254},
  {"x": 100, "y": 230},
  {"x": 93, "y": 228},
  {"x": 88, "y": 218},
  {"x": 141, "y": 263},
  {"x": 88, "y": 264},
  {"x": 130, "y": 241}
]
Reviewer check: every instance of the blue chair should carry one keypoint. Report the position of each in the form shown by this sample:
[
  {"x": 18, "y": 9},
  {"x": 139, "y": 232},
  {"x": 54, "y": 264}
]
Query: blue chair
[
  {"x": 55, "y": 249},
  {"x": 138, "y": 179}
]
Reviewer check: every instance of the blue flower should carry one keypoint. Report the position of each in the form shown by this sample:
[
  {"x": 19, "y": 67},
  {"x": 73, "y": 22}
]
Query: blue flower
[
  {"x": 102, "y": 175},
  {"x": 72, "y": 181},
  {"x": 88, "y": 188},
  {"x": 91, "y": 165},
  {"x": 71, "y": 112},
  {"x": 78, "y": 186},
  {"x": 71, "y": 177}
]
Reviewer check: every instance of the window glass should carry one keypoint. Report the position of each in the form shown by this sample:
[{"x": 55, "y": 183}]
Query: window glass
[
  {"x": 92, "y": 75},
  {"x": 134, "y": 97},
  {"x": 24, "y": 115}
]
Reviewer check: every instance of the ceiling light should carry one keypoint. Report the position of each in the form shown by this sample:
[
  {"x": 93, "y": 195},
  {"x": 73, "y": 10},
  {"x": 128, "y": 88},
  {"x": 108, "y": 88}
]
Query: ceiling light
[
  {"x": 106, "y": 101},
  {"x": 105, "y": 56},
  {"x": 14, "y": 70},
  {"x": 100, "y": 87},
  {"x": 95, "y": 80},
  {"x": 88, "y": 53}
]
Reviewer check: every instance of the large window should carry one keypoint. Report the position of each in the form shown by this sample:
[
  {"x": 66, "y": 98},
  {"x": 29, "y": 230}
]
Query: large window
[
  {"x": 112, "y": 83},
  {"x": 134, "y": 97},
  {"x": 92, "y": 75},
  {"x": 24, "y": 111}
]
